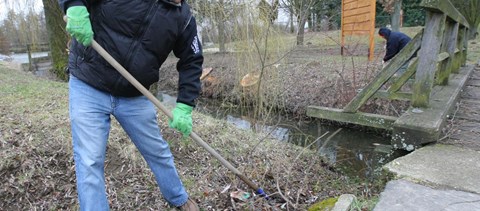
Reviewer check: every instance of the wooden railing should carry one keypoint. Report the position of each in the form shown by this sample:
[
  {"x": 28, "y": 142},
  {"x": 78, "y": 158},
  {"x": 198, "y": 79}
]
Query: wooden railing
[
  {"x": 444, "y": 34},
  {"x": 441, "y": 49},
  {"x": 37, "y": 47},
  {"x": 33, "y": 63}
]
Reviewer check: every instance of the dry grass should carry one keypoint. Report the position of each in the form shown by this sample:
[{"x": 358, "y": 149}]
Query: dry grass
[
  {"x": 298, "y": 77},
  {"x": 308, "y": 76},
  {"x": 37, "y": 170}
]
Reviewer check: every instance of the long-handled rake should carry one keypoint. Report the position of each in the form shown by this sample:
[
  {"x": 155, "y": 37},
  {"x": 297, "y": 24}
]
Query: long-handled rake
[{"x": 157, "y": 103}]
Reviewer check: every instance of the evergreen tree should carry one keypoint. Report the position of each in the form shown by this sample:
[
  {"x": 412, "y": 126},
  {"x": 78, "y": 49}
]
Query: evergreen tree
[{"x": 413, "y": 14}]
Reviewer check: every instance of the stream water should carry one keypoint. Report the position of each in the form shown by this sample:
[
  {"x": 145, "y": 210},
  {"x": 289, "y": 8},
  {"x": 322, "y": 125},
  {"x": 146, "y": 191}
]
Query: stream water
[
  {"x": 23, "y": 57},
  {"x": 352, "y": 151}
]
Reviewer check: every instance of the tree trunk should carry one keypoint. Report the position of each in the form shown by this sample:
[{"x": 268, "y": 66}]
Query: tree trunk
[
  {"x": 472, "y": 33},
  {"x": 292, "y": 28},
  {"x": 4, "y": 44},
  {"x": 221, "y": 27},
  {"x": 301, "y": 30},
  {"x": 396, "y": 15},
  {"x": 311, "y": 26},
  {"x": 57, "y": 38},
  {"x": 221, "y": 36}
]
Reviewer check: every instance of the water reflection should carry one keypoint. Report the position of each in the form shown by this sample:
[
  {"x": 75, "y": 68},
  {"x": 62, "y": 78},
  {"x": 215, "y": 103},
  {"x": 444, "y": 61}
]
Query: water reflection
[{"x": 354, "y": 152}]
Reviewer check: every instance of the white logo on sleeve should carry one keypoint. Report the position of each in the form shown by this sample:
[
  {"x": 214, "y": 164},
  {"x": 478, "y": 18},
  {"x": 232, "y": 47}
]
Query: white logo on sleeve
[{"x": 195, "y": 45}]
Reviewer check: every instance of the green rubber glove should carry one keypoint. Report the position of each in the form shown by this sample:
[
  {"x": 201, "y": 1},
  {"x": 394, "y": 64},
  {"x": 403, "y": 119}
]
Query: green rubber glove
[
  {"x": 182, "y": 119},
  {"x": 78, "y": 24}
]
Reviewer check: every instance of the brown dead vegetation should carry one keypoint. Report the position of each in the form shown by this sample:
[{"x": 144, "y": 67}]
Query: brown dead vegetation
[{"x": 37, "y": 169}]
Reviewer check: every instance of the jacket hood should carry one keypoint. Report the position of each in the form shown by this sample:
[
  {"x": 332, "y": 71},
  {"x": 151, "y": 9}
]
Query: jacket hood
[{"x": 384, "y": 32}]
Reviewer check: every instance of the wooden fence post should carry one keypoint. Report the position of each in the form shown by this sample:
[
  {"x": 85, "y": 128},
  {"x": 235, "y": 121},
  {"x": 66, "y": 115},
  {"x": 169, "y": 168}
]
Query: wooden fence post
[
  {"x": 465, "y": 46},
  {"x": 432, "y": 39},
  {"x": 29, "y": 53},
  {"x": 427, "y": 62},
  {"x": 448, "y": 45},
  {"x": 459, "y": 50}
]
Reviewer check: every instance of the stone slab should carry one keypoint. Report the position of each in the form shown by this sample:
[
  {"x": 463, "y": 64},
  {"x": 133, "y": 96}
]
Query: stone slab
[
  {"x": 400, "y": 195},
  {"x": 344, "y": 202},
  {"x": 442, "y": 166}
]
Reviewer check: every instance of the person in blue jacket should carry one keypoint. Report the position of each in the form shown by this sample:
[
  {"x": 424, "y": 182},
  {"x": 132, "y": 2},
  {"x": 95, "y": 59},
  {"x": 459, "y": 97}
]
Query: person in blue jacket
[
  {"x": 139, "y": 34},
  {"x": 396, "y": 41}
]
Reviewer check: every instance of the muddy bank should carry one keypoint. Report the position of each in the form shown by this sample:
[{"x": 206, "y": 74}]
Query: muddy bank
[{"x": 37, "y": 169}]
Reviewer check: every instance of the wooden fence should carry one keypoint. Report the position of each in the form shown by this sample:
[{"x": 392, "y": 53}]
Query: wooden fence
[{"x": 39, "y": 63}]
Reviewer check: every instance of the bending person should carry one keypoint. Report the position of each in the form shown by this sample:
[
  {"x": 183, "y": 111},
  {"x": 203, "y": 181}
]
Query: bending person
[{"x": 140, "y": 35}]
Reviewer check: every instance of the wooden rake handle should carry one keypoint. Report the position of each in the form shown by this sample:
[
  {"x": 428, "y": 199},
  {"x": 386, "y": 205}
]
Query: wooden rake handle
[{"x": 157, "y": 103}]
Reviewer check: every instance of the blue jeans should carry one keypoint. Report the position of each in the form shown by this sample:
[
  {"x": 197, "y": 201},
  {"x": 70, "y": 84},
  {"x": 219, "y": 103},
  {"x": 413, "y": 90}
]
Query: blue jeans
[{"x": 90, "y": 111}]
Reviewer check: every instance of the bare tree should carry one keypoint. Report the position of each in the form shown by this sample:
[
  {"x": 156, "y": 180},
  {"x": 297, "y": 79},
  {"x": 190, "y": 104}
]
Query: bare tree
[
  {"x": 268, "y": 12},
  {"x": 33, "y": 27},
  {"x": 301, "y": 10},
  {"x": 11, "y": 30},
  {"x": 219, "y": 13},
  {"x": 4, "y": 43}
]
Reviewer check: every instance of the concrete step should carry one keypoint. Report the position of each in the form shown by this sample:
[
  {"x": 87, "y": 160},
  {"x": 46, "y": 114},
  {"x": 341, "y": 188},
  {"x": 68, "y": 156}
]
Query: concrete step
[
  {"x": 403, "y": 195},
  {"x": 417, "y": 127},
  {"x": 440, "y": 165},
  {"x": 436, "y": 177}
]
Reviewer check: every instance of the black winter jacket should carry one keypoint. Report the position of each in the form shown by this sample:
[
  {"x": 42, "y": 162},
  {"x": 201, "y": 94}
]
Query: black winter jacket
[
  {"x": 396, "y": 41},
  {"x": 139, "y": 34}
]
